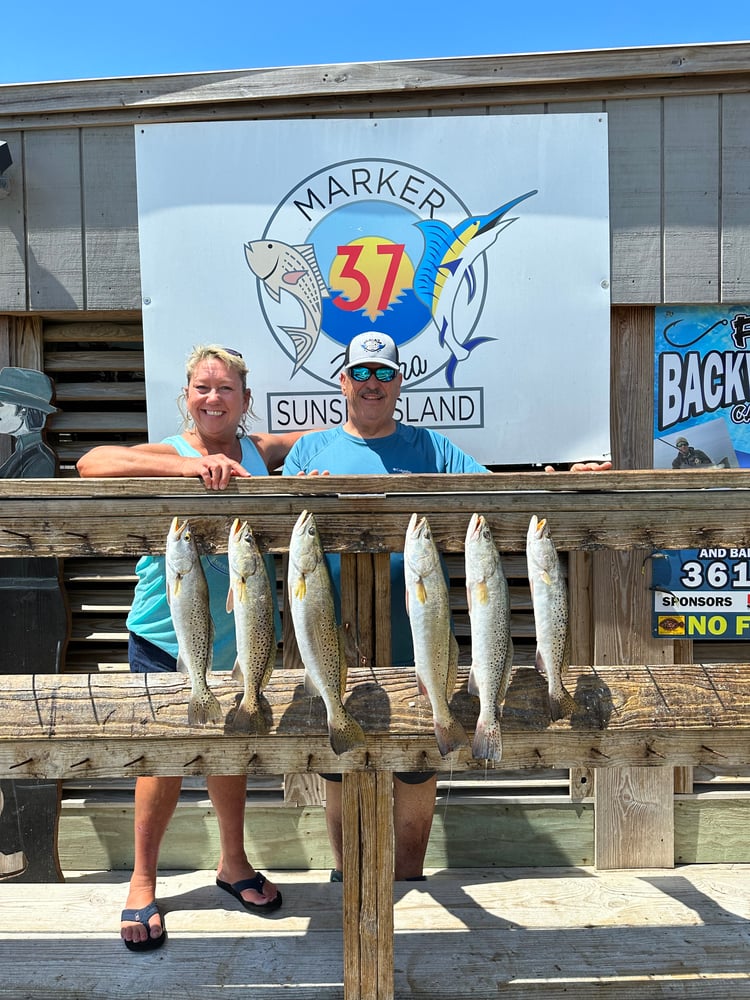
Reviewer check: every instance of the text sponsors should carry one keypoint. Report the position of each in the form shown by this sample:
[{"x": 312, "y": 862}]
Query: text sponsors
[{"x": 702, "y": 594}]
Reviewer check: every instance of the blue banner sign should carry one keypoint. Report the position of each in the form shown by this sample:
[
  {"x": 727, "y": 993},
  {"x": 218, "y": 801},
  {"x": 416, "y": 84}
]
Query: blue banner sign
[{"x": 701, "y": 594}]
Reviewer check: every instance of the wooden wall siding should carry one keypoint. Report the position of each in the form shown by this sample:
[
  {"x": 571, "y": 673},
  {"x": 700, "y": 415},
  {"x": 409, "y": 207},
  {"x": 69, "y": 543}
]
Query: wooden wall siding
[
  {"x": 54, "y": 224},
  {"x": 735, "y": 203},
  {"x": 679, "y": 159}
]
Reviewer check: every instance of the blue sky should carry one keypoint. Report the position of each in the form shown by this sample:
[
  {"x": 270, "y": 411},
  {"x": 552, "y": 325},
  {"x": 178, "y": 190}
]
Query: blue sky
[{"x": 84, "y": 39}]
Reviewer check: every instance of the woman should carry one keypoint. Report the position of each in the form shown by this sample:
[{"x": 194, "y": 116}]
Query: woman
[{"x": 214, "y": 446}]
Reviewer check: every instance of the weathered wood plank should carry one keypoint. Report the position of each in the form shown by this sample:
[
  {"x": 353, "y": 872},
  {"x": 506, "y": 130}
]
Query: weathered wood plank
[
  {"x": 735, "y": 198},
  {"x": 13, "y": 246},
  {"x": 610, "y": 510},
  {"x": 124, "y": 725},
  {"x": 635, "y": 156},
  {"x": 401, "y": 76},
  {"x": 52, "y": 170},
  {"x": 691, "y": 200},
  {"x": 110, "y": 223}
]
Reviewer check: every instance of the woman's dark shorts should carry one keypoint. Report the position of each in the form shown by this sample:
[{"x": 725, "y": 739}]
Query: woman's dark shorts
[{"x": 146, "y": 658}]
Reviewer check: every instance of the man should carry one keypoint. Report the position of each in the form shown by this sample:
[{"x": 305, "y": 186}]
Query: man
[
  {"x": 372, "y": 442},
  {"x": 687, "y": 457}
]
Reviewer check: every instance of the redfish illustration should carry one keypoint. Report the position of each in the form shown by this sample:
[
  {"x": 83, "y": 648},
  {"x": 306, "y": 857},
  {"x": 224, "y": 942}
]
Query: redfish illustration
[
  {"x": 292, "y": 269},
  {"x": 448, "y": 263}
]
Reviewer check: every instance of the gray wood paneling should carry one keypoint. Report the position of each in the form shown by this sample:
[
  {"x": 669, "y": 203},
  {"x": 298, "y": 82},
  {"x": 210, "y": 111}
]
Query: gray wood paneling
[
  {"x": 635, "y": 200},
  {"x": 735, "y": 200},
  {"x": 679, "y": 158},
  {"x": 691, "y": 199},
  {"x": 13, "y": 232},
  {"x": 110, "y": 222},
  {"x": 52, "y": 172}
]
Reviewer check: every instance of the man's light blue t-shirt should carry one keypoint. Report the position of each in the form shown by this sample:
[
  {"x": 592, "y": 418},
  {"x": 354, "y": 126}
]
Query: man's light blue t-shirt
[{"x": 408, "y": 450}]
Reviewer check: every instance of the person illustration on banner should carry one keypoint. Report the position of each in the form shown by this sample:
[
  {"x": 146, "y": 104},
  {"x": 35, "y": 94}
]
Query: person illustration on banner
[
  {"x": 25, "y": 396},
  {"x": 688, "y": 457}
]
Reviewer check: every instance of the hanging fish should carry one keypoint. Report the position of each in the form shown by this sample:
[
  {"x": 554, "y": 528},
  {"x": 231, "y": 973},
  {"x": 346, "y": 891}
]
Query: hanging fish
[
  {"x": 435, "y": 647},
  {"x": 549, "y": 596},
  {"x": 491, "y": 643},
  {"x": 319, "y": 638}
]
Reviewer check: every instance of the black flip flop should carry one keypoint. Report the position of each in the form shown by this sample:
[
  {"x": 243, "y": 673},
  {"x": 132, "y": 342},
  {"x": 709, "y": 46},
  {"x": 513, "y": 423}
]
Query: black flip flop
[
  {"x": 142, "y": 917},
  {"x": 257, "y": 882}
]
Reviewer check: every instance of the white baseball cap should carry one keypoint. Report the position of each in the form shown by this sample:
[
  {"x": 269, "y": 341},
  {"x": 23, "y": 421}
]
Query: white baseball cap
[{"x": 371, "y": 348}]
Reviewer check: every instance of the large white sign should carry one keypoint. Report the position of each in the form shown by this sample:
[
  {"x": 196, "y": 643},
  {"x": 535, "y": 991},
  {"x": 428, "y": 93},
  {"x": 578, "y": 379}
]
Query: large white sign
[{"x": 479, "y": 243}]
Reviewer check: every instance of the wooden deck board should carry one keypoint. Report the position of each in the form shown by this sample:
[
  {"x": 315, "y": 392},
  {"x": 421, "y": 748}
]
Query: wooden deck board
[{"x": 514, "y": 932}]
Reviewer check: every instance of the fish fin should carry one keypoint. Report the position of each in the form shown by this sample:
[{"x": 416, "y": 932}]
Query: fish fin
[
  {"x": 343, "y": 665},
  {"x": 311, "y": 687},
  {"x": 420, "y": 591},
  {"x": 230, "y": 600},
  {"x": 452, "y": 666},
  {"x": 203, "y": 709},
  {"x": 421, "y": 687},
  {"x": 488, "y": 741},
  {"x": 470, "y": 345},
  {"x": 300, "y": 587},
  {"x": 450, "y": 370},
  {"x": 472, "y": 687},
  {"x": 269, "y": 669},
  {"x": 181, "y": 665},
  {"x": 450, "y": 737},
  {"x": 546, "y": 578},
  {"x": 346, "y": 737},
  {"x": 539, "y": 663},
  {"x": 293, "y": 277},
  {"x": 483, "y": 592},
  {"x": 561, "y": 706},
  {"x": 238, "y": 674},
  {"x": 275, "y": 293}
]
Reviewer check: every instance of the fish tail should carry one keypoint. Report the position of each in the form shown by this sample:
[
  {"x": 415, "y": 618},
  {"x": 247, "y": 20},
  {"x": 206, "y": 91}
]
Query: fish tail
[
  {"x": 561, "y": 704},
  {"x": 249, "y": 716},
  {"x": 303, "y": 342},
  {"x": 203, "y": 708},
  {"x": 451, "y": 736},
  {"x": 488, "y": 741},
  {"x": 346, "y": 734}
]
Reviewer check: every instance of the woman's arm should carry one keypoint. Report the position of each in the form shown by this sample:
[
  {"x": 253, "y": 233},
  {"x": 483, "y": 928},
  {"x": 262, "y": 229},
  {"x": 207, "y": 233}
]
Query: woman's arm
[
  {"x": 273, "y": 448},
  {"x": 158, "y": 460}
]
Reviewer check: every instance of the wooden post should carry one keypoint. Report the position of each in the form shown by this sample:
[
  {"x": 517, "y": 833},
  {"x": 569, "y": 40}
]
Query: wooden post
[{"x": 368, "y": 885}]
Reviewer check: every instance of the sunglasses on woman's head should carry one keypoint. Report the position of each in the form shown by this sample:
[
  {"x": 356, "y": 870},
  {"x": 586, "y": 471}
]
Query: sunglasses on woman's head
[
  {"x": 361, "y": 373},
  {"x": 235, "y": 354}
]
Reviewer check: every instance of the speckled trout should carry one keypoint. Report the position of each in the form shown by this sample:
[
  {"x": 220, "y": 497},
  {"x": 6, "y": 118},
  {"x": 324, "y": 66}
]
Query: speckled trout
[
  {"x": 187, "y": 594},
  {"x": 549, "y": 596},
  {"x": 435, "y": 647},
  {"x": 319, "y": 638},
  {"x": 251, "y": 600},
  {"x": 491, "y": 643}
]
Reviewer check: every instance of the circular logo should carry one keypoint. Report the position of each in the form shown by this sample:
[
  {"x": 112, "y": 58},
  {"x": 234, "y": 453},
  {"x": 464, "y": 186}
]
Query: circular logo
[{"x": 369, "y": 245}]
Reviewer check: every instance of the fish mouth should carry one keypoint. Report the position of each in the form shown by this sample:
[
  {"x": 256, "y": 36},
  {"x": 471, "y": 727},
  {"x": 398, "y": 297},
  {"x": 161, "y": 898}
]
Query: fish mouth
[
  {"x": 238, "y": 527},
  {"x": 177, "y": 529},
  {"x": 475, "y": 527}
]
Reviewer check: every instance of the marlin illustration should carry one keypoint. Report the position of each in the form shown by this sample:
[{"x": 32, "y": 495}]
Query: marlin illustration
[
  {"x": 448, "y": 260},
  {"x": 293, "y": 269}
]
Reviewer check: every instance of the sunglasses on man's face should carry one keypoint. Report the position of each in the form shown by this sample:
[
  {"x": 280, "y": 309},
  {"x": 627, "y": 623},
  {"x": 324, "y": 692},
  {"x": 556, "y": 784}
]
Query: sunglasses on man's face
[{"x": 361, "y": 373}]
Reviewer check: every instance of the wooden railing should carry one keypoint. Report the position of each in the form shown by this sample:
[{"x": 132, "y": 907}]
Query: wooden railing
[{"x": 636, "y": 722}]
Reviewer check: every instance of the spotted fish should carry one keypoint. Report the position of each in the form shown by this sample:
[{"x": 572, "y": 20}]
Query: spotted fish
[
  {"x": 435, "y": 647},
  {"x": 251, "y": 600},
  {"x": 319, "y": 638},
  {"x": 549, "y": 596},
  {"x": 491, "y": 643},
  {"x": 187, "y": 594}
]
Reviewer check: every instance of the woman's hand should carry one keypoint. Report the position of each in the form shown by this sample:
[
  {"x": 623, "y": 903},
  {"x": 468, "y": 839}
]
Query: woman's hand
[
  {"x": 584, "y": 467},
  {"x": 215, "y": 470}
]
